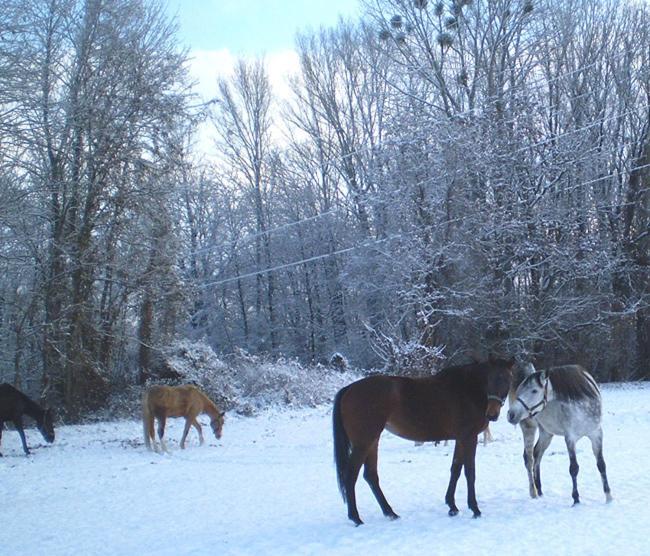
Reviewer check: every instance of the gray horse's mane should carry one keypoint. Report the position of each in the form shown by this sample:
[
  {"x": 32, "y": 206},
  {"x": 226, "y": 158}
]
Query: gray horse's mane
[{"x": 571, "y": 383}]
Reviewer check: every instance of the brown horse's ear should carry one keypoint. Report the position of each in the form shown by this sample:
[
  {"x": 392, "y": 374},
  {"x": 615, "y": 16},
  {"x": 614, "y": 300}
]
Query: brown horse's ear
[
  {"x": 222, "y": 414},
  {"x": 512, "y": 361}
]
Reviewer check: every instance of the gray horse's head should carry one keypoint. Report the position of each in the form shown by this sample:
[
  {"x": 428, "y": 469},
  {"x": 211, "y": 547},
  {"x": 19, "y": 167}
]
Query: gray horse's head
[{"x": 530, "y": 397}]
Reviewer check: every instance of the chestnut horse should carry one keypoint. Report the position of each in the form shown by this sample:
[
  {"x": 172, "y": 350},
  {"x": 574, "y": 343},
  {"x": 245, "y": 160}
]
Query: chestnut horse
[
  {"x": 187, "y": 401},
  {"x": 455, "y": 404}
]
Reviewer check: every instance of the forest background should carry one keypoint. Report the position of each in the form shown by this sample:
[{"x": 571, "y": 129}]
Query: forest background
[{"x": 445, "y": 180}]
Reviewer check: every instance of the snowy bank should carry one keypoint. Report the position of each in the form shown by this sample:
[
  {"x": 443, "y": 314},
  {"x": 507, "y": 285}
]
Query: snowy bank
[{"x": 268, "y": 487}]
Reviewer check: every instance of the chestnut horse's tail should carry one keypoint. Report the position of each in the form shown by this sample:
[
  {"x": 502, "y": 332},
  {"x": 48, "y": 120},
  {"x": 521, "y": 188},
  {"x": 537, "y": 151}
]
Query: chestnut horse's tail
[
  {"x": 146, "y": 419},
  {"x": 341, "y": 442}
]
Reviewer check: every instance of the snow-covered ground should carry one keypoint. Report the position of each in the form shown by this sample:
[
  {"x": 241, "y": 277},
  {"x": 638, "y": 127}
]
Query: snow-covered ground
[{"x": 268, "y": 487}]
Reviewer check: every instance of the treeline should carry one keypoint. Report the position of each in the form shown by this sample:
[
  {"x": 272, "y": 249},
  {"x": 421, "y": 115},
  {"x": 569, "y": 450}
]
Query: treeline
[{"x": 446, "y": 179}]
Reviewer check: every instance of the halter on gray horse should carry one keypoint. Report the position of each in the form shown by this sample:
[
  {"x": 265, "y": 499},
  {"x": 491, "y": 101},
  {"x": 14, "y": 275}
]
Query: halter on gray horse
[{"x": 562, "y": 401}]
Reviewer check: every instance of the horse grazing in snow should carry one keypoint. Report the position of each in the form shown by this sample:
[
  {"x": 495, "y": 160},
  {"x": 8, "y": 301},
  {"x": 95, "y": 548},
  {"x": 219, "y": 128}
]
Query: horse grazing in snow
[
  {"x": 456, "y": 403},
  {"x": 562, "y": 401},
  {"x": 187, "y": 401},
  {"x": 14, "y": 404}
]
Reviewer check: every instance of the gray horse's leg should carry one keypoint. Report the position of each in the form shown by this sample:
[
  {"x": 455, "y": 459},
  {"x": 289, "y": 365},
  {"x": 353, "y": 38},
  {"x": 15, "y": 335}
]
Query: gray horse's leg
[
  {"x": 529, "y": 428},
  {"x": 597, "y": 446},
  {"x": 573, "y": 468},
  {"x": 542, "y": 443}
]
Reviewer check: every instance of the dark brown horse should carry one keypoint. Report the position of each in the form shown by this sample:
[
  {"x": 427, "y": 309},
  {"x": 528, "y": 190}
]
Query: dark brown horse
[
  {"x": 14, "y": 404},
  {"x": 187, "y": 401},
  {"x": 457, "y": 403}
]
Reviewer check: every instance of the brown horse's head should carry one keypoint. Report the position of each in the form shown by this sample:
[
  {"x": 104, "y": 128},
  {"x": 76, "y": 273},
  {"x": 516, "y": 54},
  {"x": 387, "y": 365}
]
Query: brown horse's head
[
  {"x": 498, "y": 384},
  {"x": 217, "y": 424}
]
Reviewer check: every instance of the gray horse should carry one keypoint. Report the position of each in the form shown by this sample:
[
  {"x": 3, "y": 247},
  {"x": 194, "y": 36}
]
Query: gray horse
[{"x": 562, "y": 401}]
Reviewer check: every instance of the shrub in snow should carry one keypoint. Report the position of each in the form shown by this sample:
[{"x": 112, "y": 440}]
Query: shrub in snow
[
  {"x": 241, "y": 382},
  {"x": 414, "y": 359},
  {"x": 198, "y": 364},
  {"x": 264, "y": 383},
  {"x": 408, "y": 358},
  {"x": 338, "y": 361}
]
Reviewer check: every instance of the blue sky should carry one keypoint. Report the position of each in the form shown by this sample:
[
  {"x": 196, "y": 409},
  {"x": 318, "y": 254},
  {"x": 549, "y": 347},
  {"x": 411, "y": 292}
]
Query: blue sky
[{"x": 253, "y": 27}]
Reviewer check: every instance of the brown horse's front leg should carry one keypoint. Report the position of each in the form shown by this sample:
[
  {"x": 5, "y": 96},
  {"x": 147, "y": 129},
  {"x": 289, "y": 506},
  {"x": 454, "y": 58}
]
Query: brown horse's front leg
[
  {"x": 197, "y": 426},
  {"x": 456, "y": 466},
  {"x": 470, "y": 473},
  {"x": 161, "y": 433},
  {"x": 186, "y": 430}
]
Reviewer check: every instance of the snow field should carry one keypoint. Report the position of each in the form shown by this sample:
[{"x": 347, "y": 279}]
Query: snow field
[{"x": 268, "y": 487}]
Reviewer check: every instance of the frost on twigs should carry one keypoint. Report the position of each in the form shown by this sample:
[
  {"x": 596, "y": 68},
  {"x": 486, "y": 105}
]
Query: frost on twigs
[
  {"x": 408, "y": 358},
  {"x": 242, "y": 382}
]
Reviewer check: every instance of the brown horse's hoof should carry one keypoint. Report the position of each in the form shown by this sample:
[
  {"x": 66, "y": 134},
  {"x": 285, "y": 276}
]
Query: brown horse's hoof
[
  {"x": 392, "y": 516},
  {"x": 453, "y": 512},
  {"x": 356, "y": 520},
  {"x": 476, "y": 515}
]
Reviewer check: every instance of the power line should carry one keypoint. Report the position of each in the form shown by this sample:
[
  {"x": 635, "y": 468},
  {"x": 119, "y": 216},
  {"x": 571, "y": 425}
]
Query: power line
[
  {"x": 375, "y": 242},
  {"x": 250, "y": 237},
  {"x": 541, "y": 81},
  {"x": 296, "y": 263}
]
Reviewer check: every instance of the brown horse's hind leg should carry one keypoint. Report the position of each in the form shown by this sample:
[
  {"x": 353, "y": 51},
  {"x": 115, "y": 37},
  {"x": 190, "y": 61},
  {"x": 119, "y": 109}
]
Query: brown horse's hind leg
[
  {"x": 456, "y": 467},
  {"x": 372, "y": 478},
  {"x": 357, "y": 457}
]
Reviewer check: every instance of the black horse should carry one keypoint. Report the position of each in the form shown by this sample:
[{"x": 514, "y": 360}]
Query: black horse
[{"x": 14, "y": 404}]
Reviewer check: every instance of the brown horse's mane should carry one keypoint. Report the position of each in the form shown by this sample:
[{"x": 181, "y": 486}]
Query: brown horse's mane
[
  {"x": 475, "y": 370},
  {"x": 209, "y": 406}
]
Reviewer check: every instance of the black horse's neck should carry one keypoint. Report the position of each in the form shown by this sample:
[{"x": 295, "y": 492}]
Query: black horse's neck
[{"x": 32, "y": 409}]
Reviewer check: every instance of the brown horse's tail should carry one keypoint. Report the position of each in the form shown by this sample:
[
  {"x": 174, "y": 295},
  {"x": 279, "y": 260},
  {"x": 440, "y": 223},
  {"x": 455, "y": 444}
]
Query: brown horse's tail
[
  {"x": 341, "y": 442},
  {"x": 146, "y": 419}
]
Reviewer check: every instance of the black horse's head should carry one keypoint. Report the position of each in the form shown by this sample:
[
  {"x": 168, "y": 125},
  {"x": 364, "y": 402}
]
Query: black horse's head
[
  {"x": 46, "y": 425},
  {"x": 499, "y": 379}
]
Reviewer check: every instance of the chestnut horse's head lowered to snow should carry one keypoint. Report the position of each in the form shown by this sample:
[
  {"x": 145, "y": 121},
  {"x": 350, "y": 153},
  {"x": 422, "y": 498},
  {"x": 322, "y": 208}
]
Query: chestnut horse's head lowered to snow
[
  {"x": 160, "y": 402},
  {"x": 457, "y": 403}
]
